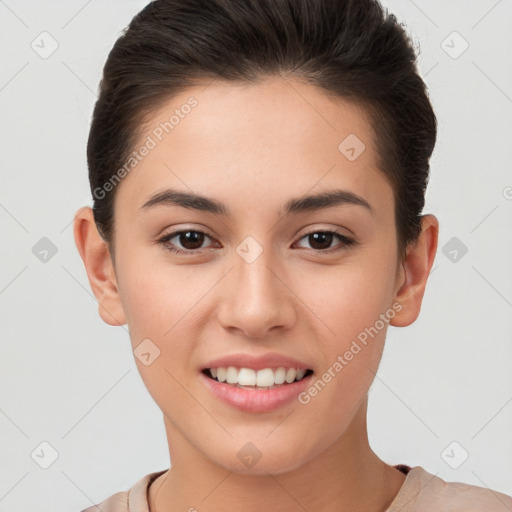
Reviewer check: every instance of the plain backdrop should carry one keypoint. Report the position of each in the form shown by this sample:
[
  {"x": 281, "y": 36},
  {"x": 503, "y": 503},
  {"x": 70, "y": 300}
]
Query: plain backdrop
[{"x": 71, "y": 397}]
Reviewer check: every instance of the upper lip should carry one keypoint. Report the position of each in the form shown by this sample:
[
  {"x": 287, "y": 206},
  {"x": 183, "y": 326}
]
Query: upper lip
[{"x": 269, "y": 360}]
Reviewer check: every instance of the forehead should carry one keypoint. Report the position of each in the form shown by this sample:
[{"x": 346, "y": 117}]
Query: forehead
[{"x": 277, "y": 138}]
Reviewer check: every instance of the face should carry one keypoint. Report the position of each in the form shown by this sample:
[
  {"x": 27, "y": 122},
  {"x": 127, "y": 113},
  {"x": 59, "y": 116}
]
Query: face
[{"x": 257, "y": 282}]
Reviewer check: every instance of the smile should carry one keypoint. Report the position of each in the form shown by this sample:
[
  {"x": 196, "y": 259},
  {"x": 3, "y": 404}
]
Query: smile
[
  {"x": 256, "y": 391},
  {"x": 248, "y": 378}
]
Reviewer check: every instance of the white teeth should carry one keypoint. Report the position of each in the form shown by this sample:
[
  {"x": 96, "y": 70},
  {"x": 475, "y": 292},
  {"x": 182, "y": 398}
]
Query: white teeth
[
  {"x": 291, "y": 373},
  {"x": 232, "y": 375},
  {"x": 300, "y": 373},
  {"x": 247, "y": 377},
  {"x": 221, "y": 374},
  {"x": 279, "y": 375},
  {"x": 265, "y": 378}
]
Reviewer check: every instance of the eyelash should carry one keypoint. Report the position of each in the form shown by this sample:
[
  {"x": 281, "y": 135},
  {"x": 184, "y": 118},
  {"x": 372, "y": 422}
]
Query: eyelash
[{"x": 347, "y": 242}]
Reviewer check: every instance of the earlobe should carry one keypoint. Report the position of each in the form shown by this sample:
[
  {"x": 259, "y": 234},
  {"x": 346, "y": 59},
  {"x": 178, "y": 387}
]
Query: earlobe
[
  {"x": 416, "y": 269},
  {"x": 99, "y": 267}
]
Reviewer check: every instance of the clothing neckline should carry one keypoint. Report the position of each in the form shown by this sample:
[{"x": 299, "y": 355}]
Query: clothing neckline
[{"x": 138, "y": 496}]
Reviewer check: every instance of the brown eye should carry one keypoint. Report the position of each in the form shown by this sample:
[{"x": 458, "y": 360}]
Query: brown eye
[
  {"x": 320, "y": 241},
  {"x": 191, "y": 239},
  {"x": 185, "y": 240}
]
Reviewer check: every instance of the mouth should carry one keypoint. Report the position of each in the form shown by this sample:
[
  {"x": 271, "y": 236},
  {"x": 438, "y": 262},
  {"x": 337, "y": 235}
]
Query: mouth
[{"x": 263, "y": 379}]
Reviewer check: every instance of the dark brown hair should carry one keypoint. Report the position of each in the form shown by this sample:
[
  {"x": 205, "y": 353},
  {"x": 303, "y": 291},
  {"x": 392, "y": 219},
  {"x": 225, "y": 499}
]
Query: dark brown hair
[{"x": 353, "y": 49}]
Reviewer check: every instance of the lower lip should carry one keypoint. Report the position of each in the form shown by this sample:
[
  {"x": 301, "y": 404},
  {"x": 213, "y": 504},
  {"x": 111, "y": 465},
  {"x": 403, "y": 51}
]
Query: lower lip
[{"x": 256, "y": 400}]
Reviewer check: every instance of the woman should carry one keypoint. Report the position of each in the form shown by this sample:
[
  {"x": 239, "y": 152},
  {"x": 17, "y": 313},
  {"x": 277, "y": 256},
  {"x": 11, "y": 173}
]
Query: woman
[{"x": 258, "y": 169}]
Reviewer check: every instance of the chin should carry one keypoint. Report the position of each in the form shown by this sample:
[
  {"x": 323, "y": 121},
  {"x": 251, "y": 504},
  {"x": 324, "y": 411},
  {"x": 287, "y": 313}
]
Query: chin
[{"x": 249, "y": 460}]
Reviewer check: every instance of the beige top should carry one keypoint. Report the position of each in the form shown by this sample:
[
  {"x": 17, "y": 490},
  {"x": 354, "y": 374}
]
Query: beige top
[{"x": 420, "y": 492}]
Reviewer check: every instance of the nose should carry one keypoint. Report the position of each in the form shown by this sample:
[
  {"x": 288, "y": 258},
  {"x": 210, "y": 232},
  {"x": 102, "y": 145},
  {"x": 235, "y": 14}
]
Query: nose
[{"x": 256, "y": 297}]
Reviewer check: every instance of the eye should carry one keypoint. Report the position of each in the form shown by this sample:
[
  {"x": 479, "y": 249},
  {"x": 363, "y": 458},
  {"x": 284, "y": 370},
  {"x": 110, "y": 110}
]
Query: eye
[
  {"x": 321, "y": 240},
  {"x": 191, "y": 240}
]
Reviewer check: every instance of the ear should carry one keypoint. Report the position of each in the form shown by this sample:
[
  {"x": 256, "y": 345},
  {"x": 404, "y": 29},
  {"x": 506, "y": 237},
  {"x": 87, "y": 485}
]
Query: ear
[
  {"x": 100, "y": 269},
  {"x": 415, "y": 271}
]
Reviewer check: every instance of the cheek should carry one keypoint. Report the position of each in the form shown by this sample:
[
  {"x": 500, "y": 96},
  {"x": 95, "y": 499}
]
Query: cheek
[
  {"x": 347, "y": 298},
  {"x": 352, "y": 301},
  {"x": 159, "y": 303},
  {"x": 163, "y": 304},
  {"x": 351, "y": 357},
  {"x": 157, "y": 296}
]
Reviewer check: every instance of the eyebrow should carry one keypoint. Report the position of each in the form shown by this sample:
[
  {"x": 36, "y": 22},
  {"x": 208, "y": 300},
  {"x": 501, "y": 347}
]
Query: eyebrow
[{"x": 321, "y": 200}]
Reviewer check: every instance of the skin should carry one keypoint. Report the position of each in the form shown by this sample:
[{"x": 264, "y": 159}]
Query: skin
[{"x": 253, "y": 147}]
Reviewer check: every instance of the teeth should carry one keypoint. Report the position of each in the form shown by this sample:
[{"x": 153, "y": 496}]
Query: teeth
[
  {"x": 265, "y": 378},
  {"x": 279, "y": 375},
  {"x": 247, "y": 377},
  {"x": 221, "y": 373},
  {"x": 300, "y": 373},
  {"x": 232, "y": 375},
  {"x": 291, "y": 373}
]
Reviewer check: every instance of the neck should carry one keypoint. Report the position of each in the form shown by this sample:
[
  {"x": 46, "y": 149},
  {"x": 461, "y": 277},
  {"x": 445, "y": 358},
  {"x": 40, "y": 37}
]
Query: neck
[{"x": 348, "y": 476}]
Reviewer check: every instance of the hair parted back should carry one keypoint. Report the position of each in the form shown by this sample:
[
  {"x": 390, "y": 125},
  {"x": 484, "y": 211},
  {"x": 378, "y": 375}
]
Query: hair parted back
[{"x": 353, "y": 49}]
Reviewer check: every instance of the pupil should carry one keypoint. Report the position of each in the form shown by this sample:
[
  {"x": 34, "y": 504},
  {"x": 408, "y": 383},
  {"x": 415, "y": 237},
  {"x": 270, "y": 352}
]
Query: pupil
[
  {"x": 316, "y": 236},
  {"x": 196, "y": 239}
]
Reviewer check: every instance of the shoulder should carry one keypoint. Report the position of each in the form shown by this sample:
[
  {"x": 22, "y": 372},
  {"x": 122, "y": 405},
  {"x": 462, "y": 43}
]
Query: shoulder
[
  {"x": 133, "y": 500},
  {"x": 116, "y": 503},
  {"x": 422, "y": 492}
]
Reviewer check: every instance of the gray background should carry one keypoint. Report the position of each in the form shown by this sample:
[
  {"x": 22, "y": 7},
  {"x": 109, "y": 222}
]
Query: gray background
[{"x": 444, "y": 387}]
